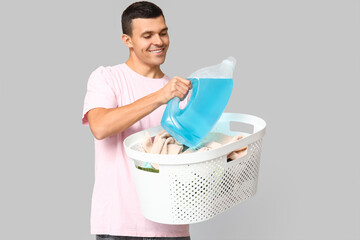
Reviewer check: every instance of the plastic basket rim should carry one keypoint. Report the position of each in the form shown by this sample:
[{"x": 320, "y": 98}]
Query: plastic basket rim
[{"x": 197, "y": 157}]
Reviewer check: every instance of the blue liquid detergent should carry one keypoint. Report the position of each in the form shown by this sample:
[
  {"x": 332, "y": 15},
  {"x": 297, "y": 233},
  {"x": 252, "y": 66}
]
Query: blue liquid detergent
[{"x": 207, "y": 102}]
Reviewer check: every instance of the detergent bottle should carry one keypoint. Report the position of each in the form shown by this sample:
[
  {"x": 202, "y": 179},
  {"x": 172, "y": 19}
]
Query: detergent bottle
[{"x": 210, "y": 93}]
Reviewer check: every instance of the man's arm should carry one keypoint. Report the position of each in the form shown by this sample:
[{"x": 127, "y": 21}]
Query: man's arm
[{"x": 107, "y": 122}]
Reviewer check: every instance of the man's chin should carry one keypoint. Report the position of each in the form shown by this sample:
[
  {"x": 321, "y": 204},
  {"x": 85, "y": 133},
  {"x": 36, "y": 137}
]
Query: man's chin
[{"x": 158, "y": 61}]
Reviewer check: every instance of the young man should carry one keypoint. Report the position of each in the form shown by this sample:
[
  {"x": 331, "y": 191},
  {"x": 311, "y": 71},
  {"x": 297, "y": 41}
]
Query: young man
[{"x": 122, "y": 100}]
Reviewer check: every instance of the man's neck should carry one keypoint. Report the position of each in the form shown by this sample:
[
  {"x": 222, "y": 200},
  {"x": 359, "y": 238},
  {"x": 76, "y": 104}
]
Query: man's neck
[{"x": 143, "y": 69}]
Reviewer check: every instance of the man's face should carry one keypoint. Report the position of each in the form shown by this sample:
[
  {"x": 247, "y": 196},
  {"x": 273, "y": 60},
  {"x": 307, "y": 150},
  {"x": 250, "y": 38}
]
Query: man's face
[{"x": 150, "y": 40}]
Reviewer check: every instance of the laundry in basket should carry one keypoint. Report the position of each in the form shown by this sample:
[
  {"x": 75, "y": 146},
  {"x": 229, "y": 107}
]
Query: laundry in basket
[
  {"x": 190, "y": 188},
  {"x": 164, "y": 143}
]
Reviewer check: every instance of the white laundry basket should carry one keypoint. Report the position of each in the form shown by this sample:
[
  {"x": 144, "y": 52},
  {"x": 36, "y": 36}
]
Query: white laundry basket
[{"x": 195, "y": 187}]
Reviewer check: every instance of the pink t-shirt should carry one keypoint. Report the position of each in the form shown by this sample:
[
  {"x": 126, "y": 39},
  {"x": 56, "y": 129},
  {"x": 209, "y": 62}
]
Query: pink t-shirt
[{"x": 115, "y": 207}]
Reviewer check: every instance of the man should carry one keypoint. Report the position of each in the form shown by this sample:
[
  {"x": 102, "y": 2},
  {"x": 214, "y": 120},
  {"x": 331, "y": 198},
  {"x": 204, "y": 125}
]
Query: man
[{"x": 122, "y": 100}]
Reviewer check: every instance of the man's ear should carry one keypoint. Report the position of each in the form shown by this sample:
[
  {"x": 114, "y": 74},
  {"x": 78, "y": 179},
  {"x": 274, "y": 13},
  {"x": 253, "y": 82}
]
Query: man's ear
[{"x": 127, "y": 40}]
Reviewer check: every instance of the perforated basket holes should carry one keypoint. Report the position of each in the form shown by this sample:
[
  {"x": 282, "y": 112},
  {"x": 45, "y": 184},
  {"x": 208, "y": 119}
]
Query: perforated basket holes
[
  {"x": 192, "y": 187},
  {"x": 240, "y": 180},
  {"x": 201, "y": 191}
]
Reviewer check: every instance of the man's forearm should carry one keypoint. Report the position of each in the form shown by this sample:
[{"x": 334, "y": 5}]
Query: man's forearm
[{"x": 107, "y": 122}]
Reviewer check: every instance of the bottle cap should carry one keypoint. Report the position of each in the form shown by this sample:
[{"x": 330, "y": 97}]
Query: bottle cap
[{"x": 231, "y": 61}]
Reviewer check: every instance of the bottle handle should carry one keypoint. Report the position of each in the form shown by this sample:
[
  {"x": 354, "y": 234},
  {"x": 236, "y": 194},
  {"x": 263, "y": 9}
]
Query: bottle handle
[
  {"x": 173, "y": 104},
  {"x": 174, "y": 108}
]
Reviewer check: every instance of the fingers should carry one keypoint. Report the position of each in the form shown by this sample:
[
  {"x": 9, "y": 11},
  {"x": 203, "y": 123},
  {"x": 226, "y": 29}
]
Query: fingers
[
  {"x": 184, "y": 81},
  {"x": 176, "y": 87},
  {"x": 181, "y": 87}
]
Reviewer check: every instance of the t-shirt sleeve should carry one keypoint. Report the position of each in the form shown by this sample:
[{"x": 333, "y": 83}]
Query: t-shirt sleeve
[{"x": 99, "y": 93}]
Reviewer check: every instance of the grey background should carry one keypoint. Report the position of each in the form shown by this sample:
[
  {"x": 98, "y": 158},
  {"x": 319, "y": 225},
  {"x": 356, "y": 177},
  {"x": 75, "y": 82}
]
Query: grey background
[{"x": 298, "y": 68}]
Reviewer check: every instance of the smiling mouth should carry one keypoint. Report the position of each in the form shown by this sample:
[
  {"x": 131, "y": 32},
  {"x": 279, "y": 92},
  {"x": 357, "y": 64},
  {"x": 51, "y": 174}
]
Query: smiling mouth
[{"x": 157, "y": 50}]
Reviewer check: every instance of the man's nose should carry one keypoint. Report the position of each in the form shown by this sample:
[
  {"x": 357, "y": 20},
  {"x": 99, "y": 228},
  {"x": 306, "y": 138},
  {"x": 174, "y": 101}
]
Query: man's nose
[{"x": 158, "y": 40}]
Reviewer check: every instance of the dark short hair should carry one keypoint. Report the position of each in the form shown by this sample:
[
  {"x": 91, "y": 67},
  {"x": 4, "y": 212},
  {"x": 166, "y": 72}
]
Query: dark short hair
[{"x": 141, "y": 9}]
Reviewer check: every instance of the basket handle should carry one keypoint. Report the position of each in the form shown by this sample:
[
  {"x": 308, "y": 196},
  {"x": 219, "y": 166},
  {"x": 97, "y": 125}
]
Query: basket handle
[{"x": 258, "y": 124}]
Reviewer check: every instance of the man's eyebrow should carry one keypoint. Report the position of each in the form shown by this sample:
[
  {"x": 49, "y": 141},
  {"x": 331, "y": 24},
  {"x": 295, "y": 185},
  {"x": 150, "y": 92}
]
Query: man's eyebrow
[
  {"x": 147, "y": 32},
  {"x": 150, "y": 32}
]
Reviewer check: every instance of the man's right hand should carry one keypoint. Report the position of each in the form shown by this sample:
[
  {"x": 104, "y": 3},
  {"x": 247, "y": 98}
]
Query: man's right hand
[{"x": 176, "y": 87}]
